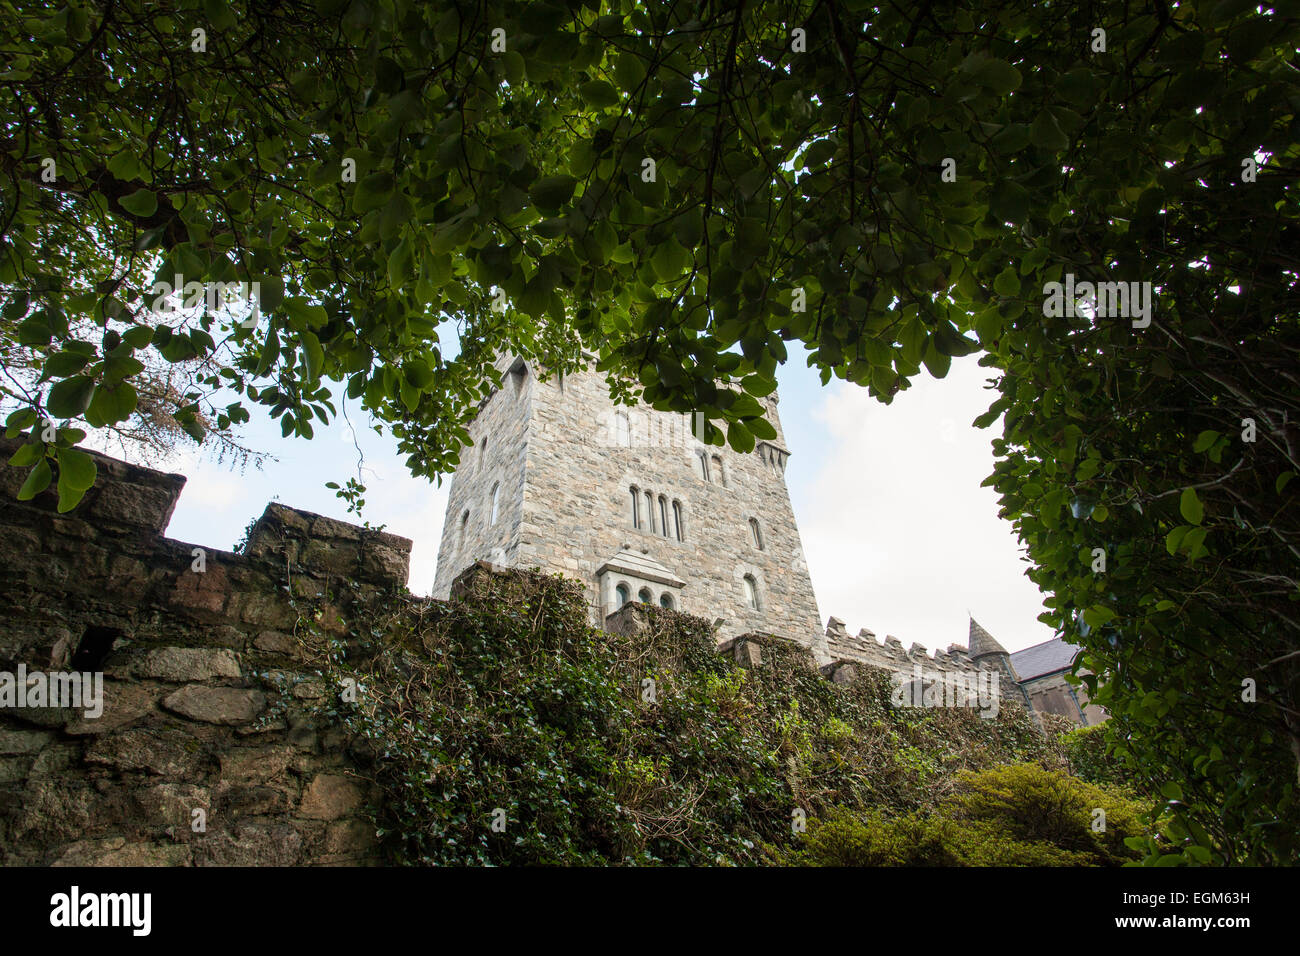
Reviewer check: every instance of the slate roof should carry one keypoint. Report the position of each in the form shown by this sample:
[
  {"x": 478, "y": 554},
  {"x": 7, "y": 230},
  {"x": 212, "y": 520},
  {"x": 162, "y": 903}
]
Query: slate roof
[
  {"x": 981, "y": 641},
  {"x": 1045, "y": 658}
]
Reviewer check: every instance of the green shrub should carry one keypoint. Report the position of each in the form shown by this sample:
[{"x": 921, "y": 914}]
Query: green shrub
[
  {"x": 507, "y": 703},
  {"x": 918, "y": 839},
  {"x": 1034, "y": 805}
]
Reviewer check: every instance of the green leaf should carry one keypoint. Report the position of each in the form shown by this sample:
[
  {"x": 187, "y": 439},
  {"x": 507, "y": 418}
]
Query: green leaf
[
  {"x": 1007, "y": 282},
  {"x": 37, "y": 481},
  {"x": 551, "y": 192},
  {"x": 758, "y": 385},
  {"x": 28, "y": 453},
  {"x": 1009, "y": 202},
  {"x": 142, "y": 203},
  {"x": 1190, "y": 506},
  {"x": 999, "y": 76},
  {"x": 1204, "y": 440},
  {"x": 740, "y": 438},
  {"x": 313, "y": 355},
  {"x": 936, "y": 361},
  {"x": 112, "y": 403},
  {"x": 599, "y": 94},
  {"x": 1046, "y": 134},
  {"x": 76, "y": 469},
  {"x": 70, "y": 397}
]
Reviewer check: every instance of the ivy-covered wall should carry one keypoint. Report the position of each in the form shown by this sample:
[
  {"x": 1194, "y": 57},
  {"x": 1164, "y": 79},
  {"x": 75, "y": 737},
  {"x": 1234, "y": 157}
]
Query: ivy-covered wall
[{"x": 292, "y": 704}]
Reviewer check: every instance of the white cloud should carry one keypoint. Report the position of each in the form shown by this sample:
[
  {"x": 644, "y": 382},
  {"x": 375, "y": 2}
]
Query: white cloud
[{"x": 901, "y": 538}]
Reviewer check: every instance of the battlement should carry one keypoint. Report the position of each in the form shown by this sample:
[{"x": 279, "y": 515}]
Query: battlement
[{"x": 845, "y": 651}]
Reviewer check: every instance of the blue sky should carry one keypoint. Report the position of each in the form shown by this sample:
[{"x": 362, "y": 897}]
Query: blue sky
[{"x": 900, "y": 537}]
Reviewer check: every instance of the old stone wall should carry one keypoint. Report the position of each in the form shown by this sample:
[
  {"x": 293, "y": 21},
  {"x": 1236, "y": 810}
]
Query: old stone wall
[{"x": 204, "y": 752}]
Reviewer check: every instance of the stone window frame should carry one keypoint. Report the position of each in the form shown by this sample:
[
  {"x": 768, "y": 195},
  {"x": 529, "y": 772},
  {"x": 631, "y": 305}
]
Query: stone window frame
[
  {"x": 622, "y": 594},
  {"x": 753, "y": 594},
  {"x": 494, "y": 501},
  {"x": 464, "y": 528},
  {"x": 756, "y": 534},
  {"x": 645, "y": 596},
  {"x": 721, "y": 469},
  {"x": 661, "y": 514},
  {"x": 702, "y": 465},
  {"x": 666, "y": 601}
]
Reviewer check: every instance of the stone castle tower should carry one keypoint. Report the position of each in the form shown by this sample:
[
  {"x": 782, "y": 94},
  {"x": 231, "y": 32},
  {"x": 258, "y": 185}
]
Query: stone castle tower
[{"x": 629, "y": 502}]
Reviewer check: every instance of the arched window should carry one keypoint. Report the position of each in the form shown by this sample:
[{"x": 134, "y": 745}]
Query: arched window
[
  {"x": 650, "y": 512},
  {"x": 496, "y": 496},
  {"x": 755, "y": 533},
  {"x": 751, "y": 591},
  {"x": 677, "y": 520},
  {"x": 717, "y": 473},
  {"x": 666, "y": 600},
  {"x": 482, "y": 451},
  {"x": 702, "y": 465},
  {"x": 621, "y": 595},
  {"x": 636, "y": 507},
  {"x": 464, "y": 523},
  {"x": 645, "y": 597},
  {"x": 663, "y": 516}
]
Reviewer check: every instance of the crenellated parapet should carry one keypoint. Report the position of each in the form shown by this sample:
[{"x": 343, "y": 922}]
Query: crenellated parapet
[{"x": 956, "y": 665}]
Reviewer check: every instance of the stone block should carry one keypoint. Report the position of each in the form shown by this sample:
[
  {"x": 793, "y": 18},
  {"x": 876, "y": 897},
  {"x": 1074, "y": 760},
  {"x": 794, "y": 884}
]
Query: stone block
[
  {"x": 216, "y": 705},
  {"x": 329, "y": 797},
  {"x": 181, "y": 664},
  {"x": 162, "y": 752}
]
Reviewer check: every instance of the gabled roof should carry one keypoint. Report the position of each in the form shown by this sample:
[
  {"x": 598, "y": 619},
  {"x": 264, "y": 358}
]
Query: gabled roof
[
  {"x": 642, "y": 566},
  {"x": 1045, "y": 658}
]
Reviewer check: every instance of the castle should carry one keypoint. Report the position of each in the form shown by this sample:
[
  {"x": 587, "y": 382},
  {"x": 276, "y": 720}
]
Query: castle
[{"x": 630, "y": 502}]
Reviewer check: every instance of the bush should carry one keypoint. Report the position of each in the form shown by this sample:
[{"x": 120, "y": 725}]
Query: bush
[
  {"x": 505, "y": 706},
  {"x": 1034, "y": 805},
  {"x": 1020, "y": 815}
]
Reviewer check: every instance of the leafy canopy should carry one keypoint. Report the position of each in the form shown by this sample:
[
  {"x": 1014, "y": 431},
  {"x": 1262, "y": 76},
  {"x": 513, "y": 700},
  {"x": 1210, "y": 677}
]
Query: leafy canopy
[{"x": 683, "y": 190}]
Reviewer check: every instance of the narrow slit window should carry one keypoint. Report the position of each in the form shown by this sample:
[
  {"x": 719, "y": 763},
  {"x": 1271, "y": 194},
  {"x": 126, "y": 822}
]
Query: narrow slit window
[
  {"x": 636, "y": 507},
  {"x": 756, "y": 533},
  {"x": 650, "y": 512},
  {"x": 663, "y": 516},
  {"x": 751, "y": 591},
  {"x": 496, "y": 496},
  {"x": 677, "y": 520}
]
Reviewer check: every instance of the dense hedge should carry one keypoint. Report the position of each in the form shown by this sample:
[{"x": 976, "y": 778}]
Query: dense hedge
[{"x": 505, "y": 707}]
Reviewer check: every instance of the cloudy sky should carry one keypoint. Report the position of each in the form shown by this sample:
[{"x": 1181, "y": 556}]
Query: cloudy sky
[{"x": 899, "y": 535}]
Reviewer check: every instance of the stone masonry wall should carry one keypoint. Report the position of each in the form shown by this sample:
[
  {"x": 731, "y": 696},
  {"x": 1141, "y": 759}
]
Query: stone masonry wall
[
  {"x": 574, "y": 491},
  {"x": 204, "y": 682},
  {"x": 497, "y": 458}
]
